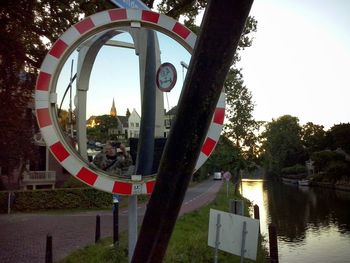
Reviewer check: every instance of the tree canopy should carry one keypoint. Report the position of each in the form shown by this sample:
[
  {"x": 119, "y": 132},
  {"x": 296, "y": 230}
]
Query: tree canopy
[{"x": 282, "y": 144}]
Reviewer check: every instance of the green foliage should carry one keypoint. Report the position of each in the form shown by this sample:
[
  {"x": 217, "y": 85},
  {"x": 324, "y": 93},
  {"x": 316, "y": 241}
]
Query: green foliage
[
  {"x": 101, "y": 252},
  {"x": 313, "y": 137},
  {"x": 241, "y": 125},
  {"x": 322, "y": 159},
  {"x": 282, "y": 145},
  {"x": 340, "y": 136},
  {"x": 82, "y": 198},
  {"x": 295, "y": 169},
  {"x": 226, "y": 157},
  {"x": 100, "y": 131},
  {"x": 336, "y": 170}
]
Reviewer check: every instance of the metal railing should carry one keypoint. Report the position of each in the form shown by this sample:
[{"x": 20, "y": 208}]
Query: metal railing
[{"x": 39, "y": 176}]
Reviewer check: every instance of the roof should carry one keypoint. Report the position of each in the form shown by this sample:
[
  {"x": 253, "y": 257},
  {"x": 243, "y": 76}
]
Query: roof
[
  {"x": 172, "y": 111},
  {"x": 124, "y": 121}
]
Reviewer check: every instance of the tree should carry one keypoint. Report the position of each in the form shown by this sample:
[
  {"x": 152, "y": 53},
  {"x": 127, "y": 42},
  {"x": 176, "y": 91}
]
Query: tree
[
  {"x": 226, "y": 157},
  {"x": 241, "y": 124},
  {"x": 282, "y": 145},
  {"x": 28, "y": 29},
  {"x": 100, "y": 131},
  {"x": 340, "y": 136},
  {"x": 313, "y": 137}
]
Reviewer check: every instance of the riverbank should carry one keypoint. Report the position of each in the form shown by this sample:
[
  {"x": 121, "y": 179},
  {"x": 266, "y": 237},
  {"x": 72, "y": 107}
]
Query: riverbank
[{"x": 336, "y": 186}]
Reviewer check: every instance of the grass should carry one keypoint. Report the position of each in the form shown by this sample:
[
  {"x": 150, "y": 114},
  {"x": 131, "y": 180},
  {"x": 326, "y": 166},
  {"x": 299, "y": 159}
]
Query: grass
[{"x": 188, "y": 243}]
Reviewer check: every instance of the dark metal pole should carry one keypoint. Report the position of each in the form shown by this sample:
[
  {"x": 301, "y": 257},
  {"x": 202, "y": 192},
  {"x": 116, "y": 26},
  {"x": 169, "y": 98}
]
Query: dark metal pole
[
  {"x": 256, "y": 212},
  {"x": 98, "y": 229},
  {"x": 145, "y": 147},
  {"x": 221, "y": 29},
  {"x": 48, "y": 254},
  {"x": 273, "y": 244},
  {"x": 115, "y": 223}
]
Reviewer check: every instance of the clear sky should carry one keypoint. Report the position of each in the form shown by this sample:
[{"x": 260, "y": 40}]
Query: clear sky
[
  {"x": 299, "y": 63},
  {"x": 115, "y": 75}
]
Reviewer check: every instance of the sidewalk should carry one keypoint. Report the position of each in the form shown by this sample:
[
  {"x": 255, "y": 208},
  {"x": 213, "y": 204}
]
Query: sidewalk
[{"x": 23, "y": 236}]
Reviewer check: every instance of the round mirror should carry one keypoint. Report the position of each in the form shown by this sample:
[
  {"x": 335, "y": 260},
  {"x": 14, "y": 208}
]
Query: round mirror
[{"x": 90, "y": 95}]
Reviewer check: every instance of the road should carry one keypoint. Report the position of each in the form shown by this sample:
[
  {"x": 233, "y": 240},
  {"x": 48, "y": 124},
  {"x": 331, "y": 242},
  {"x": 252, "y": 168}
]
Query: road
[{"x": 23, "y": 236}]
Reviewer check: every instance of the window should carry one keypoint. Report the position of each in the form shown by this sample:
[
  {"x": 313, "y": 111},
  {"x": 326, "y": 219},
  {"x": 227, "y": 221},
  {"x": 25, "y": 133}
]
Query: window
[{"x": 137, "y": 124}]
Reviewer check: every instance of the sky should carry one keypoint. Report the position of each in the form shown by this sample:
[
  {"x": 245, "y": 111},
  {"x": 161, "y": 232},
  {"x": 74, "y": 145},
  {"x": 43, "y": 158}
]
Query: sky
[
  {"x": 115, "y": 75},
  {"x": 299, "y": 64}
]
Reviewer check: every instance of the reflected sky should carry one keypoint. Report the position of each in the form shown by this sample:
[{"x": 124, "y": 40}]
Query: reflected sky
[{"x": 313, "y": 224}]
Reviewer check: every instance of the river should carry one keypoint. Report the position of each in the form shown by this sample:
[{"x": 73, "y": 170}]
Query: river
[{"x": 313, "y": 223}]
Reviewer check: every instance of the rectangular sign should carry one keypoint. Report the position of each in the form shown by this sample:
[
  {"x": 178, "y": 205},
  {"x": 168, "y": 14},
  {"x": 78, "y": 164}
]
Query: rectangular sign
[
  {"x": 230, "y": 233},
  {"x": 130, "y": 4}
]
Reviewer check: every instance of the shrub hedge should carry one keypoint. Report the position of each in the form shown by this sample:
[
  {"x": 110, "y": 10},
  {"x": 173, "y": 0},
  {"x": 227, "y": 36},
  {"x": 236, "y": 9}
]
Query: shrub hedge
[
  {"x": 322, "y": 159},
  {"x": 295, "y": 169},
  {"x": 38, "y": 200}
]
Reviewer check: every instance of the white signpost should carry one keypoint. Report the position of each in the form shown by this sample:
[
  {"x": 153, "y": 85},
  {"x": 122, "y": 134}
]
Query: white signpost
[{"x": 234, "y": 234}]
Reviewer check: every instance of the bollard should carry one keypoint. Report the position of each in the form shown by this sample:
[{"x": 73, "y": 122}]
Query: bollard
[
  {"x": 115, "y": 224},
  {"x": 257, "y": 215},
  {"x": 48, "y": 254},
  {"x": 273, "y": 244},
  {"x": 98, "y": 229},
  {"x": 237, "y": 207}
]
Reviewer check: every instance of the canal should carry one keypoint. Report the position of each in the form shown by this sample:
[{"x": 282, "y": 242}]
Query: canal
[{"x": 313, "y": 223}]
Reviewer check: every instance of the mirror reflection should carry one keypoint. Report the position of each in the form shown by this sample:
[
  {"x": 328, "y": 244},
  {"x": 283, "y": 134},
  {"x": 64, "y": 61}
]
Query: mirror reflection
[{"x": 99, "y": 106}]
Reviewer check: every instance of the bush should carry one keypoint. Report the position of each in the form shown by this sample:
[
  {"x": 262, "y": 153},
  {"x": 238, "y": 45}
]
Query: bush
[
  {"x": 323, "y": 158},
  {"x": 336, "y": 170},
  {"x": 82, "y": 198},
  {"x": 295, "y": 169}
]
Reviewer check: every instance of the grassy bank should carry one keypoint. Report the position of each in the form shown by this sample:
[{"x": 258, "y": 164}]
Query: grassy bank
[{"x": 188, "y": 242}]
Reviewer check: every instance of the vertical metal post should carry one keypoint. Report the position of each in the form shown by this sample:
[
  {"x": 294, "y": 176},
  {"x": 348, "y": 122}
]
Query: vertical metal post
[
  {"x": 217, "y": 237},
  {"x": 237, "y": 207},
  {"x": 70, "y": 101},
  {"x": 48, "y": 254},
  {"x": 145, "y": 148},
  {"x": 226, "y": 188},
  {"x": 244, "y": 234},
  {"x": 115, "y": 223},
  {"x": 132, "y": 228},
  {"x": 98, "y": 229},
  {"x": 221, "y": 29},
  {"x": 273, "y": 244}
]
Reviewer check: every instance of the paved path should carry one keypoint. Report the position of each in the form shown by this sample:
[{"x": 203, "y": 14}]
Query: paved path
[{"x": 23, "y": 236}]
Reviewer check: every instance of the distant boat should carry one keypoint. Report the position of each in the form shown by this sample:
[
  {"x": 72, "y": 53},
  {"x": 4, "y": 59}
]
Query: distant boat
[
  {"x": 304, "y": 182},
  {"x": 289, "y": 180}
]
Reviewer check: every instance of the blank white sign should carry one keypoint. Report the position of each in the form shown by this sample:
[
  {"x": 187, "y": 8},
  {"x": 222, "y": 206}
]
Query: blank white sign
[{"x": 230, "y": 233}]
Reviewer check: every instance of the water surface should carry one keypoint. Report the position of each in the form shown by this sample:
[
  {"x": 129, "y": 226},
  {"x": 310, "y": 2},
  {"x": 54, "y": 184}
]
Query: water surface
[{"x": 313, "y": 223}]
